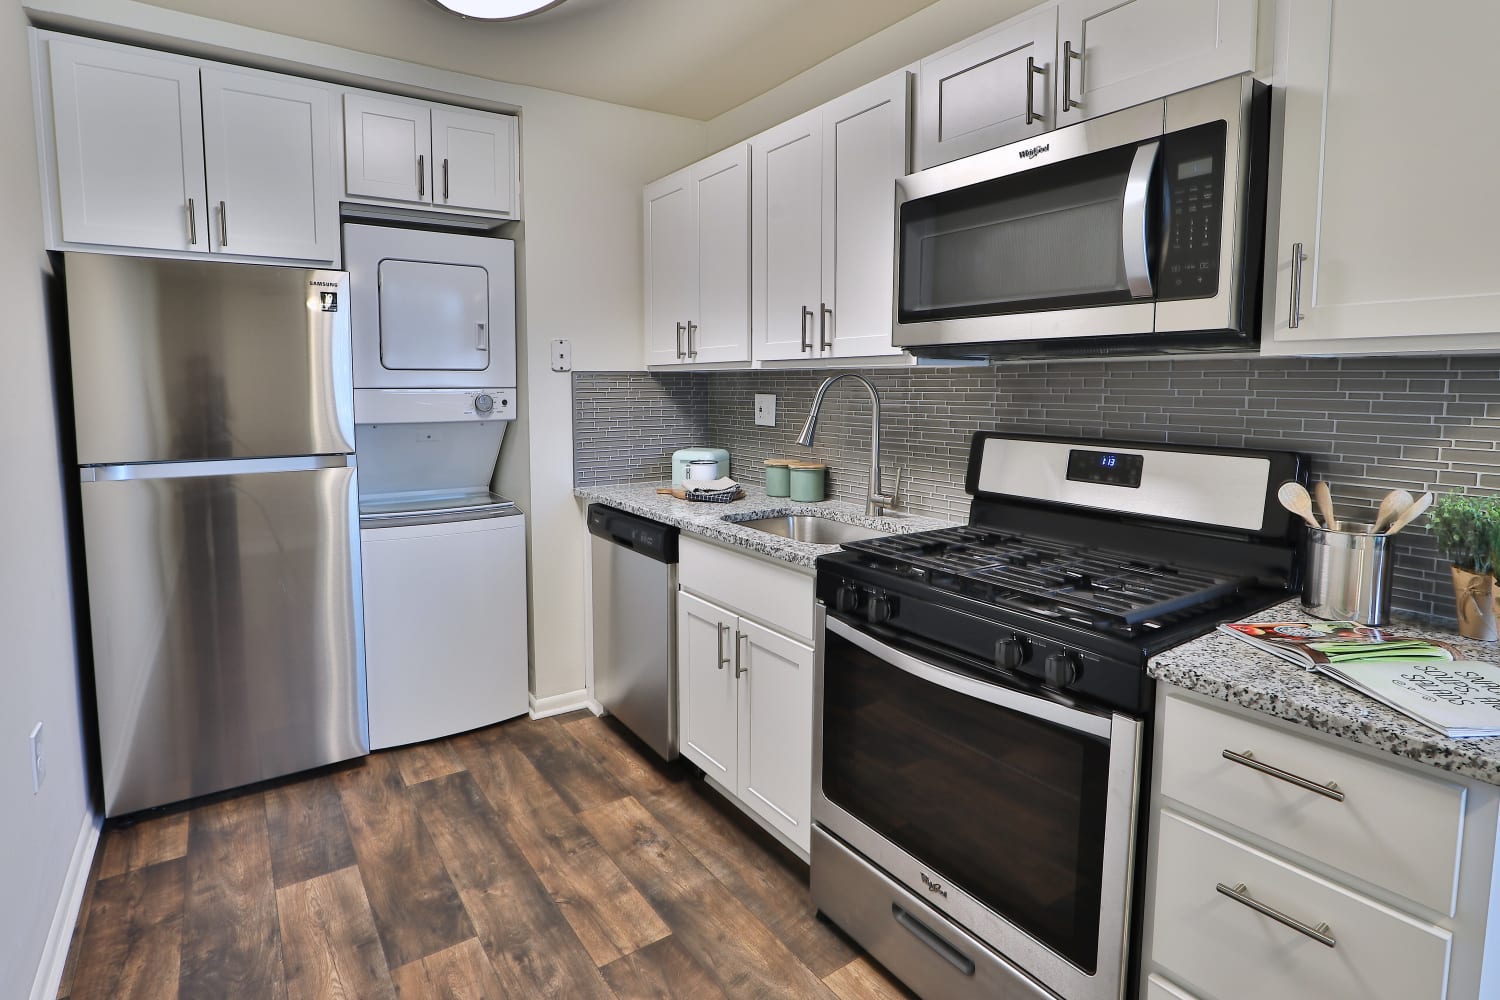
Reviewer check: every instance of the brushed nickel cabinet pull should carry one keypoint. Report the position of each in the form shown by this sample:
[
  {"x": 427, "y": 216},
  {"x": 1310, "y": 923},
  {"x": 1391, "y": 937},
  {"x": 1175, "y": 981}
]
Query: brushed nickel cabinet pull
[
  {"x": 807, "y": 314},
  {"x": 1032, "y": 69},
  {"x": 680, "y": 352},
  {"x": 692, "y": 328},
  {"x": 223, "y": 225},
  {"x": 192, "y": 223},
  {"x": 1294, "y": 320},
  {"x": 1068, "y": 56},
  {"x": 421, "y": 175},
  {"x": 825, "y": 327},
  {"x": 1247, "y": 758},
  {"x": 1240, "y": 894},
  {"x": 445, "y": 178},
  {"x": 738, "y": 668},
  {"x": 720, "y": 629}
]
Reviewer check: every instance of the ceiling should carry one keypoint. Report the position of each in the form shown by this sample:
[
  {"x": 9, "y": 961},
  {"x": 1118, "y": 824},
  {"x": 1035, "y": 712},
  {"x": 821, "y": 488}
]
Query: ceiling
[{"x": 696, "y": 58}]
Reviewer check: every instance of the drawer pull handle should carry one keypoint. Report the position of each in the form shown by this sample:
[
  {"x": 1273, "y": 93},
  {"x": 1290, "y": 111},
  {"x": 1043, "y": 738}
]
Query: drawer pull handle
[
  {"x": 1247, "y": 758},
  {"x": 930, "y": 938},
  {"x": 1241, "y": 894}
]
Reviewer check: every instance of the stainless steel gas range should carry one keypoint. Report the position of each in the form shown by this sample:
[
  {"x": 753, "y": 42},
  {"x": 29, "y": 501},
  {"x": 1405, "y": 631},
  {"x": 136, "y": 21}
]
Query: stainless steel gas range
[{"x": 983, "y": 711}]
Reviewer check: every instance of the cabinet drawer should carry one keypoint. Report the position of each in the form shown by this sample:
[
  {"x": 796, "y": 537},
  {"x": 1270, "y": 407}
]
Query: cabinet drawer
[
  {"x": 1396, "y": 829},
  {"x": 1228, "y": 949},
  {"x": 779, "y": 596}
]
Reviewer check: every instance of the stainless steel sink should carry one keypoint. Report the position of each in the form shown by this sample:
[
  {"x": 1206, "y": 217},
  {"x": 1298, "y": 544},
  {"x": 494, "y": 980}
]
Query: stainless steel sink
[{"x": 812, "y": 528}]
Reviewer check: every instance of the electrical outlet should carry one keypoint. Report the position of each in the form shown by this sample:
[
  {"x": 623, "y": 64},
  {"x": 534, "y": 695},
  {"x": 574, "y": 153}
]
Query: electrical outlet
[
  {"x": 562, "y": 356},
  {"x": 38, "y": 760},
  {"x": 765, "y": 409}
]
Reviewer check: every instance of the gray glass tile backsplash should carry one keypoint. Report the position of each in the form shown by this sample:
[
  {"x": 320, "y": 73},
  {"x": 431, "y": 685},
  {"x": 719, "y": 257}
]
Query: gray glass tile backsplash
[{"x": 1368, "y": 424}]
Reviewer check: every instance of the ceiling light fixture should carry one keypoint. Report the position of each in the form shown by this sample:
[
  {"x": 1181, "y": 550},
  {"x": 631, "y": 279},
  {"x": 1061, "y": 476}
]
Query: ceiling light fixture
[{"x": 496, "y": 10}]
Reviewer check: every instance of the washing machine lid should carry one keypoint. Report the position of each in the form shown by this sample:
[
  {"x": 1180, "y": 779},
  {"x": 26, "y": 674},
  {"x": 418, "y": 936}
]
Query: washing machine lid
[{"x": 434, "y": 316}]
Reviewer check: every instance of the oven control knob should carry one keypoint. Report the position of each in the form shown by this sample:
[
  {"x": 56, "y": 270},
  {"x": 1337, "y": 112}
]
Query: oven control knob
[
  {"x": 1011, "y": 653},
  {"x": 1060, "y": 669},
  {"x": 483, "y": 403},
  {"x": 848, "y": 598},
  {"x": 882, "y": 609}
]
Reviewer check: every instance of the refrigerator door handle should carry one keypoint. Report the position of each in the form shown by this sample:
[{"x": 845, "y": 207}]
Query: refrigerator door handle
[{"x": 219, "y": 467}]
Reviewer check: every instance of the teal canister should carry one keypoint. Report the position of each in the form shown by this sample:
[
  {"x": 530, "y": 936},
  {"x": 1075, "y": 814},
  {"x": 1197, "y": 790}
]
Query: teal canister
[
  {"x": 809, "y": 481},
  {"x": 778, "y": 477}
]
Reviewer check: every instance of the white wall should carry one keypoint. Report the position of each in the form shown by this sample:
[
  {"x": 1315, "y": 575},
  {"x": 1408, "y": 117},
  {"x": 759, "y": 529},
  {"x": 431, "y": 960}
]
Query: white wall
[{"x": 39, "y": 675}]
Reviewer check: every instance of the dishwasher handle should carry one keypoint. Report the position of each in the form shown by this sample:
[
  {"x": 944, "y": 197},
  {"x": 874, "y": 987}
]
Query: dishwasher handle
[{"x": 649, "y": 538}]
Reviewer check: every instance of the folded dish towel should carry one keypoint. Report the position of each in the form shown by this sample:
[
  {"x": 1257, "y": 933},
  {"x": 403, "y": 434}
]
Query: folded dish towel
[{"x": 720, "y": 490}]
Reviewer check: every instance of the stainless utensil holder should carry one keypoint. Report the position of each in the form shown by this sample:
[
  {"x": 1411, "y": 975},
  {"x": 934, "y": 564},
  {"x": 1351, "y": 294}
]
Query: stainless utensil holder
[{"x": 1349, "y": 574}]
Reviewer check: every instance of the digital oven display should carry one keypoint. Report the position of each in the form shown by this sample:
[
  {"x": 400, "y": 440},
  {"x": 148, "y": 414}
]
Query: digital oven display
[{"x": 1111, "y": 468}]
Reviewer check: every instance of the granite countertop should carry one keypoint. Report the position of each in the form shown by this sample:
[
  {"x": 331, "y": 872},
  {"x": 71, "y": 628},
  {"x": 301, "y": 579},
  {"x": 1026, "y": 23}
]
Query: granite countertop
[
  {"x": 707, "y": 520},
  {"x": 1225, "y": 668}
]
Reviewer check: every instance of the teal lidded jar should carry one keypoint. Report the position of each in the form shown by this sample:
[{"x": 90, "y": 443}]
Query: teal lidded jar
[
  {"x": 809, "y": 481},
  {"x": 778, "y": 477}
]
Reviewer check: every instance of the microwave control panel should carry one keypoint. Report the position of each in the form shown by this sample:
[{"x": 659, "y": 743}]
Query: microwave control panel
[{"x": 1194, "y": 185}]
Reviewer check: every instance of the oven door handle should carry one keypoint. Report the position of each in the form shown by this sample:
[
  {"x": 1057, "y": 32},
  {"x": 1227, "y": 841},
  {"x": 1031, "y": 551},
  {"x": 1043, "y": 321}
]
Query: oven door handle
[
  {"x": 1037, "y": 708},
  {"x": 1134, "y": 220}
]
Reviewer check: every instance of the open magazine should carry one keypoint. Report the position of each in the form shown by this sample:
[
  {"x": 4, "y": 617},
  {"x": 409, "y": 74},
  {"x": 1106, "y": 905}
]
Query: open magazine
[{"x": 1420, "y": 678}]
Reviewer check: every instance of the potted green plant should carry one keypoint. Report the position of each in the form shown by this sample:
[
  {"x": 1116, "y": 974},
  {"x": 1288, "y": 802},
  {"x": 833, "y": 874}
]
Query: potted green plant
[{"x": 1466, "y": 530}]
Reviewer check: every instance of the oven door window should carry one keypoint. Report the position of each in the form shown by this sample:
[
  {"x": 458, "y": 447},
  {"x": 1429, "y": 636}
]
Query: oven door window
[
  {"x": 1007, "y": 807},
  {"x": 1048, "y": 238}
]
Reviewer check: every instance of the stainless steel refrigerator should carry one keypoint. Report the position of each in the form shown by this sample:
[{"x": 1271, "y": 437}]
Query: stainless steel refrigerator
[{"x": 215, "y": 430}]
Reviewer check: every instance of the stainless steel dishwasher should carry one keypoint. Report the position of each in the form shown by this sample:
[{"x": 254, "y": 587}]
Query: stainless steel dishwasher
[{"x": 635, "y": 623}]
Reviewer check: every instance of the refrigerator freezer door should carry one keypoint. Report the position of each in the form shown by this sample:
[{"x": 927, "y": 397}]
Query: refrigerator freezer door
[
  {"x": 193, "y": 360},
  {"x": 226, "y": 623}
]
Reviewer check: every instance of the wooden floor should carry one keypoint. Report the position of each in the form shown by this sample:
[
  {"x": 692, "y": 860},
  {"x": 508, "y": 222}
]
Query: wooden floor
[{"x": 547, "y": 858}]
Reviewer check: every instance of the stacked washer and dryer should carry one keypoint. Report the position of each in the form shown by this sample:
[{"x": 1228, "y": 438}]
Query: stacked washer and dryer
[{"x": 433, "y": 317}]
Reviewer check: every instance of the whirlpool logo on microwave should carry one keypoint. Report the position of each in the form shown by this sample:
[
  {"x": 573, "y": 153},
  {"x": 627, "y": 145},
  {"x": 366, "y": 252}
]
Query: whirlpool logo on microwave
[{"x": 1034, "y": 152}]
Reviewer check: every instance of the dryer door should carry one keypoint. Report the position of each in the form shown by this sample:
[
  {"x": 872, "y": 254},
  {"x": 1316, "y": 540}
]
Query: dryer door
[{"x": 434, "y": 317}]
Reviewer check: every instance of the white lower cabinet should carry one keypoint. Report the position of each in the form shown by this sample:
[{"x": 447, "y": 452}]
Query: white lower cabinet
[
  {"x": 745, "y": 691},
  {"x": 1284, "y": 864}
]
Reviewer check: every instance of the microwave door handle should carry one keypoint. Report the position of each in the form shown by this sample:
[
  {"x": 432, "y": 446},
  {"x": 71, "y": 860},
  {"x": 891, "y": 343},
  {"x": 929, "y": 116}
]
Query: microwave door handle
[{"x": 1133, "y": 227}]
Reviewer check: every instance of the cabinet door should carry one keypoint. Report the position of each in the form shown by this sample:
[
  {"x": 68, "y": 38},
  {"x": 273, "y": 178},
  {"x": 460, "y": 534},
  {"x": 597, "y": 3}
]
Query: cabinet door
[
  {"x": 1398, "y": 235},
  {"x": 787, "y": 214},
  {"x": 129, "y": 130},
  {"x": 975, "y": 95},
  {"x": 707, "y": 692},
  {"x": 270, "y": 165},
  {"x": 1126, "y": 53},
  {"x": 474, "y": 159},
  {"x": 387, "y": 148},
  {"x": 775, "y": 728},
  {"x": 671, "y": 267},
  {"x": 864, "y": 151},
  {"x": 721, "y": 194}
]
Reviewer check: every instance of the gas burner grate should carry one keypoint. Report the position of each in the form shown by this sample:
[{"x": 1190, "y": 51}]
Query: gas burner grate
[{"x": 1055, "y": 579}]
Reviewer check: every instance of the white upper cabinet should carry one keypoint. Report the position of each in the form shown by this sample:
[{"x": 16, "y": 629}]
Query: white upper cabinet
[
  {"x": 270, "y": 166},
  {"x": 987, "y": 91},
  {"x": 721, "y": 198},
  {"x": 823, "y": 210},
  {"x": 129, "y": 147},
  {"x": 396, "y": 150},
  {"x": 671, "y": 267},
  {"x": 697, "y": 227},
  {"x": 1115, "y": 54},
  {"x": 474, "y": 156},
  {"x": 786, "y": 267},
  {"x": 864, "y": 151},
  {"x": 387, "y": 148},
  {"x": 1385, "y": 240}
]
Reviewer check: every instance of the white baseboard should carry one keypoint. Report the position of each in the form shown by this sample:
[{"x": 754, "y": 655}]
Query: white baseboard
[
  {"x": 55, "y": 955},
  {"x": 594, "y": 706},
  {"x": 559, "y": 704}
]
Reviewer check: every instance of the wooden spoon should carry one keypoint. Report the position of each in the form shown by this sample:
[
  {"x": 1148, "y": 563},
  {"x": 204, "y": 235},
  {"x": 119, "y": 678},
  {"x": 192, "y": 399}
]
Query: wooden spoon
[
  {"x": 1394, "y": 503},
  {"x": 1325, "y": 505},
  {"x": 1295, "y": 499},
  {"x": 1411, "y": 513}
]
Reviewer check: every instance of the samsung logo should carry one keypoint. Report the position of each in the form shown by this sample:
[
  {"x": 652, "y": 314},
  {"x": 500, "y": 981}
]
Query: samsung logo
[
  {"x": 324, "y": 284},
  {"x": 1034, "y": 152}
]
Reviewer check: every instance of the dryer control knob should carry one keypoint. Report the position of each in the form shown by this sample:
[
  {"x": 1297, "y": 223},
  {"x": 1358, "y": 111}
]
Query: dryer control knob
[{"x": 483, "y": 403}]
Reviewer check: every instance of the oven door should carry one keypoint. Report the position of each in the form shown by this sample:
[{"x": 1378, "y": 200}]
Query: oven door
[{"x": 1011, "y": 813}]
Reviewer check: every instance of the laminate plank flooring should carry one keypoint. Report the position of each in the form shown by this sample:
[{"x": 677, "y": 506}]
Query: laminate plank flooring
[{"x": 550, "y": 858}]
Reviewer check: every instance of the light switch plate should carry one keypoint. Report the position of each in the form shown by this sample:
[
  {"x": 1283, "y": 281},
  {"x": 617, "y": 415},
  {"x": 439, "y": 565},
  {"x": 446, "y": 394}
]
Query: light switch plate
[
  {"x": 765, "y": 409},
  {"x": 562, "y": 356}
]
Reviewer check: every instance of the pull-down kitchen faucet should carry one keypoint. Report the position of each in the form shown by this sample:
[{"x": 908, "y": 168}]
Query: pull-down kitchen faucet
[{"x": 876, "y": 502}]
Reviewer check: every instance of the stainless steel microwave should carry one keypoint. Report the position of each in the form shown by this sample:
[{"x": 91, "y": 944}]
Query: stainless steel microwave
[{"x": 1138, "y": 232}]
